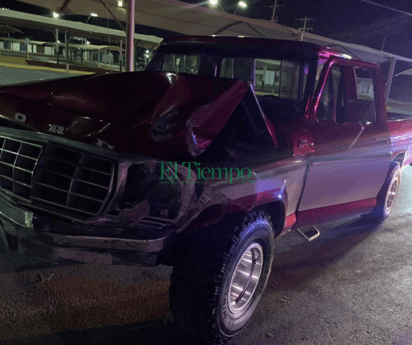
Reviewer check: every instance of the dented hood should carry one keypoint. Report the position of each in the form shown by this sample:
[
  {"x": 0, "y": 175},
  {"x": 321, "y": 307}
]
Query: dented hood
[{"x": 152, "y": 113}]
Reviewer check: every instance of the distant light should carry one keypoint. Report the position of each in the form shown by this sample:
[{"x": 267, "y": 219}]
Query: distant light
[
  {"x": 120, "y": 3},
  {"x": 94, "y": 14},
  {"x": 87, "y": 42},
  {"x": 242, "y": 4},
  {"x": 58, "y": 41},
  {"x": 56, "y": 15},
  {"x": 213, "y": 2},
  {"x": 147, "y": 52},
  {"x": 240, "y": 36}
]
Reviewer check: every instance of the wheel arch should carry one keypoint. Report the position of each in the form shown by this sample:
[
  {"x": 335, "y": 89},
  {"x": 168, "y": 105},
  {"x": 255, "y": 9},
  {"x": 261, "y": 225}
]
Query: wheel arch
[
  {"x": 277, "y": 211},
  {"x": 399, "y": 158},
  {"x": 213, "y": 214}
]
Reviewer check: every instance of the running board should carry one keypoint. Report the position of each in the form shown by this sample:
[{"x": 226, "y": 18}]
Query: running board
[{"x": 310, "y": 234}]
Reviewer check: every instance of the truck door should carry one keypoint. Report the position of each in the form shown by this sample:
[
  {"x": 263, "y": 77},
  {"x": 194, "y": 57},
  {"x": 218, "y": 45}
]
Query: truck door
[{"x": 352, "y": 144}]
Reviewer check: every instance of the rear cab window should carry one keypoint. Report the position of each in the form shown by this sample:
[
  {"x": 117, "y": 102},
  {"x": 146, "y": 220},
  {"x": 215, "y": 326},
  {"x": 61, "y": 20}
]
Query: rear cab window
[{"x": 279, "y": 79}]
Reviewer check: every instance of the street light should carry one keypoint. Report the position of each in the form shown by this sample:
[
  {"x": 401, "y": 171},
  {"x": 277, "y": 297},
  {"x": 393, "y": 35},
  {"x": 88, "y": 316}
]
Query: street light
[
  {"x": 91, "y": 15},
  {"x": 240, "y": 4},
  {"x": 56, "y": 15},
  {"x": 213, "y": 2}
]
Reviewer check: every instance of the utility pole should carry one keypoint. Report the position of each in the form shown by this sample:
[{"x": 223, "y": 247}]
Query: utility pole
[
  {"x": 305, "y": 27},
  {"x": 383, "y": 43},
  {"x": 274, "y": 7}
]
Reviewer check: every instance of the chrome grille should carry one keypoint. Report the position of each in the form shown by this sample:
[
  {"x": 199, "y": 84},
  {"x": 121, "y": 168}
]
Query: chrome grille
[
  {"x": 18, "y": 160},
  {"x": 72, "y": 180}
]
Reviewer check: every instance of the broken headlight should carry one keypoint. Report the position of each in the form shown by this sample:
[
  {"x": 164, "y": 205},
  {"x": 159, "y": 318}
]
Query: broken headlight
[{"x": 156, "y": 183}]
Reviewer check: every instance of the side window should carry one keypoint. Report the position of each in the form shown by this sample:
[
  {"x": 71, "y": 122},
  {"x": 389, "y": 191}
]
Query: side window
[
  {"x": 348, "y": 96},
  {"x": 364, "y": 84},
  {"x": 364, "y": 103},
  {"x": 328, "y": 103}
]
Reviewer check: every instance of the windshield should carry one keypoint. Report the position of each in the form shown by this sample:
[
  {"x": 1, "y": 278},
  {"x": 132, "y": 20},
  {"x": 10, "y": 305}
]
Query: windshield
[{"x": 277, "y": 75}]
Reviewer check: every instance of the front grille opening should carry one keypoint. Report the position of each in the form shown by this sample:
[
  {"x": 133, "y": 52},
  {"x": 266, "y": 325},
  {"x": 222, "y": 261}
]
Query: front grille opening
[
  {"x": 30, "y": 151},
  {"x": 48, "y": 178},
  {"x": 6, "y": 170},
  {"x": 49, "y": 194},
  {"x": 25, "y": 163},
  {"x": 81, "y": 181},
  {"x": 6, "y": 184},
  {"x": 88, "y": 205},
  {"x": 56, "y": 178},
  {"x": 10, "y": 145},
  {"x": 58, "y": 167},
  {"x": 93, "y": 176},
  {"x": 89, "y": 190},
  {"x": 8, "y": 157}
]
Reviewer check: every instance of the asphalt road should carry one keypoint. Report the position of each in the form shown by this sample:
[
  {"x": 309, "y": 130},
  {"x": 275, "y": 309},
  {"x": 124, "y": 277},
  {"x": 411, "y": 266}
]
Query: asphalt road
[
  {"x": 15, "y": 75},
  {"x": 353, "y": 285}
]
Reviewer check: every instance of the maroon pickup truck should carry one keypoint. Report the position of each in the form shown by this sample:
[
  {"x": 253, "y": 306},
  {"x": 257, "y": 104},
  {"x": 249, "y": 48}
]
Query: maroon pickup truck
[{"x": 201, "y": 161}]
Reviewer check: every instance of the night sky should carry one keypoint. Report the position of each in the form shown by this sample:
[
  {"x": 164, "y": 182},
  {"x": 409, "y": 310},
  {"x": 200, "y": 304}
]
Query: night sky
[{"x": 351, "y": 21}]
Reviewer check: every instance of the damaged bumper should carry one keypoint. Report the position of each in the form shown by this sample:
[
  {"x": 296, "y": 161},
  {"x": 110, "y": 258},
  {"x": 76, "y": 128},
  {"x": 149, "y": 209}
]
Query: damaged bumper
[
  {"x": 67, "y": 201},
  {"x": 61, "y": 242}
]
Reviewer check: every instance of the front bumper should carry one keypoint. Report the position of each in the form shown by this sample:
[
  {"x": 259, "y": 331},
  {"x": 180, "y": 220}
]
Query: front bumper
[{"x": 59, "y": 242}]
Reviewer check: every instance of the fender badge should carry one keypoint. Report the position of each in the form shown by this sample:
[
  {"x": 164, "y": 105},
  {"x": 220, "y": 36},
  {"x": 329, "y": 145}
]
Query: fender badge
[{"x": 56, "y": 129}]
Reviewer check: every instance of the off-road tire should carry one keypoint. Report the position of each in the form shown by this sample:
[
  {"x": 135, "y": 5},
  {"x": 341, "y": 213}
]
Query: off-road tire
[
  {"x": 204, "y": 274},
  {"x": 387, "y": 194}
]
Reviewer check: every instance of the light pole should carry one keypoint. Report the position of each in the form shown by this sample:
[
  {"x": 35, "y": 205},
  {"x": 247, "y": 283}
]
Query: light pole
[{"x": 130, "y": 35}]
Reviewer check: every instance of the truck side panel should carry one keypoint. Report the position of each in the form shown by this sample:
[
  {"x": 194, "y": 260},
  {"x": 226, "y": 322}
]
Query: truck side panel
[{"x": 400, "y": 133}]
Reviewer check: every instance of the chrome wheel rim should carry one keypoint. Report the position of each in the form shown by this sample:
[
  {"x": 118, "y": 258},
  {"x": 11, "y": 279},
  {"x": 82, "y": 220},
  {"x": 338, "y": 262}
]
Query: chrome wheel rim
[
  {"x": 391, "y": 195},
  {"x": 245, "y": 279}
]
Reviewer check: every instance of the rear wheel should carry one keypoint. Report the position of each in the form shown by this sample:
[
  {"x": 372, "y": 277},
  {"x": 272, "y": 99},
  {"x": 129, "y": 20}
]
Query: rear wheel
[
  {"x": 220, "y": 275},
  {"x": 387, "y": 195}
]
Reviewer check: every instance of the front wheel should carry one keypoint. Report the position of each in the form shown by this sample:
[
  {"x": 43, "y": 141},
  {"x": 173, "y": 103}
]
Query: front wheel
[{"x": 220, "y": 275}]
